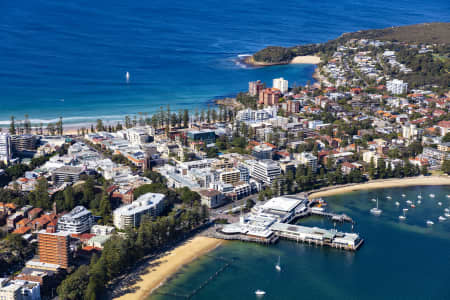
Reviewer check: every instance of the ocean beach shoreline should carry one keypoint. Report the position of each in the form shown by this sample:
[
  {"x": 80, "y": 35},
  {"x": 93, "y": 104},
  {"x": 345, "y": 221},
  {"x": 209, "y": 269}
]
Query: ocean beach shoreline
[
  {"x": 302, "y": 59},
  {"x": 157, "y": 272},
  {"x": 380, "y": 184}
]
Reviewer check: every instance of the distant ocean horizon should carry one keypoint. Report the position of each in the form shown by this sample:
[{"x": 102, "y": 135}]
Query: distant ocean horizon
[{"x": 69, "y": 58}]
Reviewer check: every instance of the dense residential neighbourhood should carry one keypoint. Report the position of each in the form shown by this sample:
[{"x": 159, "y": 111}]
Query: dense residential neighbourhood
[{"x": 111, "y": 195}]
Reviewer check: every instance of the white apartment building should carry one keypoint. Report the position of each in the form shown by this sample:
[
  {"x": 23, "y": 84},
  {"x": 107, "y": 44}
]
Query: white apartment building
[
  {"x": 5, "y": 148},
  {"x": 102, "y": 230},
  {"x": 397, "y": 86},
  {"x": 19, "y": 290},
  {"x": 137, "y": 136},
  {"x": 130, "y": 215},
  {"x": 251, "y": 115},
  {"x": 410, "y": 131},
  {"x": 369, "y": 155},
  {"x": 281, "y": 84},
  {"x": 308, "y": 159},
  {"x": 265, "y": 170},
  {"x": 79, "y": 220}
]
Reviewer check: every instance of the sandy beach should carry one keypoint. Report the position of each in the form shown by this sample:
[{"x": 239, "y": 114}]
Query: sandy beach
[
  {"x": 384, "y": 183},
  {"x": 307, "y": 59},
  {"x": 167, "y": 265}
]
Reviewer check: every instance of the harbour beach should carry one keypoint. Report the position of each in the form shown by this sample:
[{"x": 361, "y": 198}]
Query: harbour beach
[
  {"x": 161, "y": 269},
  {"x": 382, "y": 183}
]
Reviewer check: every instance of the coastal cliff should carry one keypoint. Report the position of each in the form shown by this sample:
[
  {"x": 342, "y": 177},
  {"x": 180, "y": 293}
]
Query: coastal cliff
[{"x": 430, "y": 33}]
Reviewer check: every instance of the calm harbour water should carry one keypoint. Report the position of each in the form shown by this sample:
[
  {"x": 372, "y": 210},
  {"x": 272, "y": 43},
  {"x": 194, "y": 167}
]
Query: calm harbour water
[
  {"x": 69, "y": 58},
  {"x": 399, "y": 259}
]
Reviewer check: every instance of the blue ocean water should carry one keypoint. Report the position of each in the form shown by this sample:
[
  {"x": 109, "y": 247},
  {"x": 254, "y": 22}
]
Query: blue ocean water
[
  {"x": 69, "y": 58},
  {"x": 399, "y": 259}
]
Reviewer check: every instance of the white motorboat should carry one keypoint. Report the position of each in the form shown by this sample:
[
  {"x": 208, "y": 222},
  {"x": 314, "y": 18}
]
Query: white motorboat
[
  {"x": 403, "y": 195},
  {"x": 127, "y": 76},
  {"x": 402, "y": 217},
  {"x": 397, "y": 203},
  {"x": 419, "y": 196},
  {"x": 409, "y": 202},
  {"x": 447, "y": 210},
  {"x": 447, "y": 215},
  {"x": 440, "y": 203},
  {"x": 430, "y": 222},
  {"x": 405, "y": 209},
  {"x": 373, "y": 200},
  {"x": 419, "y": 201},
  {"x": 441, "y": 218},
  {"x": 448, "y": 196},
  {"x": 432, "y": 195},
  {"x": 260, "y": 293},
  {"x": 389, "y": 197}
]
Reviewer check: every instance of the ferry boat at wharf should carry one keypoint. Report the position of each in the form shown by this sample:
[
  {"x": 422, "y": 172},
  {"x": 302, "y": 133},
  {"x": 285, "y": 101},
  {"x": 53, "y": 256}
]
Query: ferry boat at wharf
[{"x": 268, "y": 222}]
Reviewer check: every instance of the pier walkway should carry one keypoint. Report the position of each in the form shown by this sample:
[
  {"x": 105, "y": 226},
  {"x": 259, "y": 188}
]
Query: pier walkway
[{"x": 332, "y": 216}]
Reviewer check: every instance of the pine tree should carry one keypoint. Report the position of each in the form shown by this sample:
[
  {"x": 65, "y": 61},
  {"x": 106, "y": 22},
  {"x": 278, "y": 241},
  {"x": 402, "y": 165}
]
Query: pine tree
[
  {"x": 208, "y": 115},
  {"x": 68, "y": 198},
  {"x": 214, "y": 115},
  {"x": 41, "y": 191},
  {"x": 186, "y": 118},
  {"x": 372, "y": 169},
  {"x": 60, "y": 126},
  {"x": 88, "y": 192},
  {"x": 100, "y": 126},
  {"x": 105, "y": 206},
  {"x": 27, "y": 125},
  {"x": 424, "y": 170},
  {"x": 12, "y": 126}
]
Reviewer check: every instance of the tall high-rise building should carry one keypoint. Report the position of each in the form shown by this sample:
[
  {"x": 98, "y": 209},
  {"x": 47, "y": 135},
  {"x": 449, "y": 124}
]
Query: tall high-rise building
[
  {"x": 281, "y": 84},
  {"x": 269, "y": 97},
  {"x": 5, "y": 148},
  {"x": 54, "y": 248},
  {"x": 254, "y": 87}
]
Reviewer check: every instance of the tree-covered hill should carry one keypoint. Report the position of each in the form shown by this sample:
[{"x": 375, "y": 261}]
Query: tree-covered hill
[{"x": 427, "y": 33}]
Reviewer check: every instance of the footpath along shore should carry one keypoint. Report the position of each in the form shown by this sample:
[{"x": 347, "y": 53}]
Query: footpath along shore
[
  {"x": 161, "y": 269},
  {"x": 381, "y": 183}
]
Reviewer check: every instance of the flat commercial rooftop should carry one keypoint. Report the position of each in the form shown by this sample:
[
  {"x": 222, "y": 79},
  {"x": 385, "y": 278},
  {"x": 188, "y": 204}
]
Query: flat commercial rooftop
[{"x": 283, "y": 204}]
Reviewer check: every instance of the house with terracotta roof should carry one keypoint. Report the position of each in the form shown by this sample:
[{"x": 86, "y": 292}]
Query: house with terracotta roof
[
  {"x": 444, "y": 126},
  {"x": 23, "y": 223},
  {"x": 22, "y": 230},
  {"x": 347, "y": 167},
  {"x": 438, "y": 113},
  {"x": 34, "y": 213},
  {"x": 417, "y": 161}
]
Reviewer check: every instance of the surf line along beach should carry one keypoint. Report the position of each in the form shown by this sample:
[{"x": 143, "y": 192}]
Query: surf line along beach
[
  {"x": 380, "y": 184},
  {"x": 161, "y": 269}
]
